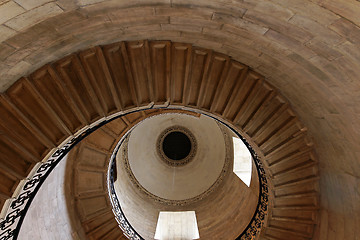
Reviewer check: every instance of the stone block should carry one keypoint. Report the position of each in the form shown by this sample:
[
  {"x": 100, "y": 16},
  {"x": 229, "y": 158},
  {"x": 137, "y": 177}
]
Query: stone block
[
  {"x": 323, "y": 49},
  {"x": 346, "y": 29},
  {"x": 239, "y": 22},
  {"x": 116, "y": 11},
  {"x": 203, "y": 13},
  {"x": 24, "y": 38},
  {"x": 207, "y": 43},
  {"x": 64, "y": 19},
  {"x": 243, "y": 54},
  {"x": 278, "y": 11},
  {"x": 30, "y": 4},
  {"x": 116, "y": 4},
  {"x": 20, "y": 68},
  {"x": 236, "y": 9},
  {"x": 9, "y": 10},
  {"x": 350, "y": 50},
  {"x": 88, "y": 2},
  {"x": 6, "y": 32},
  {"x": 5, "y": 51},
  {"x": 142, "y": 28},
  {"x": 347, "y": 9},
  {"x": 328, "y": 66},
  {"x": 67, "y": 4},
  {"x": 139, "y": 20},
  {"x": 316, "y": 29},
  {"x": 195, "y": 22},
  {"x": 293, "y": 45},
  {"x": 181, "y": 27},
  {"x": 278, "y": 25},
  {"x": 134, "y": 12},
  {"x": 32, "y": 46},
  {"x": 34, "y": 16},
  {"x": 350, "y": 70},
  {"x": 18, "y": 56},
  {"x": 203, "y": 38},
  {"x": 271, "y": 48},
  {"x": 93, "y": 37},
  {"x": 310, "y": 10},
  {"x": 84, "y": 25},
  {"x": 275, "y": 62},
  {"x": 316, "y": 72},
  {"x": 52, "y": 51},
  {"x": 14, "y": 73},
  {"x": 227, "y": 36},
  {"x": 243, "y": 33},
  {"x": 153, "y": 35}
]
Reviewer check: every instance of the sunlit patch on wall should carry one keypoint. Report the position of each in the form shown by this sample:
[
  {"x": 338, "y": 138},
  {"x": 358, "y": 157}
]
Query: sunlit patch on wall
[
  {"x": 177, "y": 225},
  {"x": 242, "y": 161}
]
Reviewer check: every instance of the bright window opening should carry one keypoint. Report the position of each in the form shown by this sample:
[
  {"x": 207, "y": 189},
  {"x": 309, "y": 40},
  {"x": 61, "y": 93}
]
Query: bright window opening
[
  {"x": 242, "y": 161},
  {"x": 177, "y": 226}
]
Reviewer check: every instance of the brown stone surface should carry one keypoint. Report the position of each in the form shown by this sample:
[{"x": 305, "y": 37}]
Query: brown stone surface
[
  {"x": 323, "y": 91},
  {"x": 201, "y": 79},
  {"x": 48, "y": 216}
]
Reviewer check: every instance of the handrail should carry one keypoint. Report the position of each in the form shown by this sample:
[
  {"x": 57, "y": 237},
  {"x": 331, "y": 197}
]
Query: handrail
[
  {"x": 249, "y": 233},
  {"x": 10, "y": 226}
]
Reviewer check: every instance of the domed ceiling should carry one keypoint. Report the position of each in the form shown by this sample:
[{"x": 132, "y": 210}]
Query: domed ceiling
[
  {"x": 182, "y": 178},
  {"x": 147, "y": 184}
]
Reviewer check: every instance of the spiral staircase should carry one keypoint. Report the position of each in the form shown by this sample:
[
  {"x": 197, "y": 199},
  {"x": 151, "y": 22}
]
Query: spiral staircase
[{"x": 42, "y": 110}]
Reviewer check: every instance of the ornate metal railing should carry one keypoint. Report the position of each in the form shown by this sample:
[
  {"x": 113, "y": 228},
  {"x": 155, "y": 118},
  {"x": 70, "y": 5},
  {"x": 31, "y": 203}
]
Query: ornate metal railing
[
  {"x": 250, "y": 231},
  {"x": 125, "y": 226},
  {"x": 19, "y": 205},
  {"x": 255, "y": 224}
]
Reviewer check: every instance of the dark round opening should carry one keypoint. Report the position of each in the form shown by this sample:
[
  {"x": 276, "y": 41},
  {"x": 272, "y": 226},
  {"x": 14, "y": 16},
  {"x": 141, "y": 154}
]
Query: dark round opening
[{"x": 176, "y": 145}]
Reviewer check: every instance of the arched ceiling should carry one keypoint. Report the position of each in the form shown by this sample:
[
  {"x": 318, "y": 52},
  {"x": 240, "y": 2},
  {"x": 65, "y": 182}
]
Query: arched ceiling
[{"x": 309, "y": 50}]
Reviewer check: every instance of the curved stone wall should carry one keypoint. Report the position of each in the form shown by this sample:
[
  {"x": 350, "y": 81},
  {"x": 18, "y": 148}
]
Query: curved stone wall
[
  {"x": 85, "y": 193},
  {"x": 83, "y": 88},
  {"x": 48, "y": 216},
  {"x": 308, "y": 50},
  {"x": 219, "y": 215}
]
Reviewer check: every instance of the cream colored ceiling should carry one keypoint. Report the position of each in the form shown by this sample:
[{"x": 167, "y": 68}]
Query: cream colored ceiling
[
  {"x": 182, "y": 182},
  {"x": 218, "y": 214}
]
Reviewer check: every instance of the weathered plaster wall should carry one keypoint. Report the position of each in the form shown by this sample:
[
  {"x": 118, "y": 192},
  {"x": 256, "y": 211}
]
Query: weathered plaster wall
[{"x": 48, "y": 217}]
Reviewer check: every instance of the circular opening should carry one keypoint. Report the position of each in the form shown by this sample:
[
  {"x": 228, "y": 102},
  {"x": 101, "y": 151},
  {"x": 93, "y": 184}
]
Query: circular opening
[{"x": 176, "y": 145}]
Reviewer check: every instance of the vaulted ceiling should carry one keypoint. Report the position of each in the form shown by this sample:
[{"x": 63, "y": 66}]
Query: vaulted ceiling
[{"x": 308, "y": 50}]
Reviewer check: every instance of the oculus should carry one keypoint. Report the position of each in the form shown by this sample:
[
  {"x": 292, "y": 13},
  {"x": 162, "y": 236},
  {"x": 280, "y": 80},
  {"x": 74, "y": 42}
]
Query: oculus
[{"x": 176, "y": 146}]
